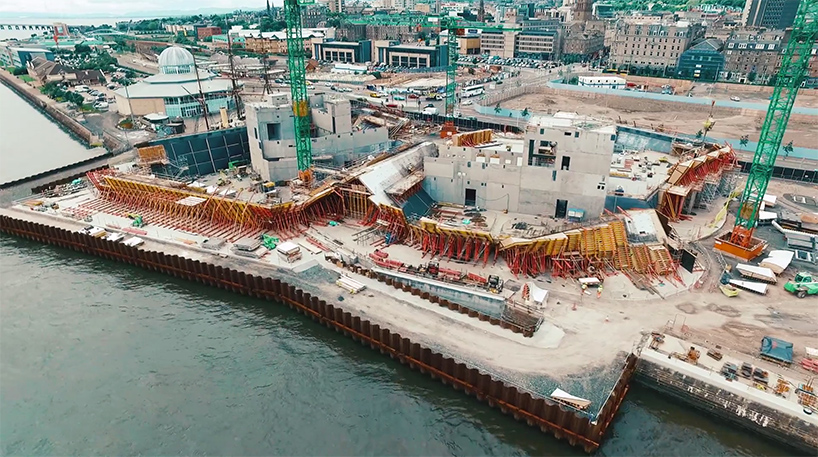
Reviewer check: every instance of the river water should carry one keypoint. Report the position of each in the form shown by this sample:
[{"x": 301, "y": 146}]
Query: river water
[
  {"x": 98, "y": 357},
  {"x": 30, "y": 142}
]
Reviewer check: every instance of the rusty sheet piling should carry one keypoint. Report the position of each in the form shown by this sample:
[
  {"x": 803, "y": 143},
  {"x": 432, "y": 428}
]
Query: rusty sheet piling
[{"x": 550, "y": 417}]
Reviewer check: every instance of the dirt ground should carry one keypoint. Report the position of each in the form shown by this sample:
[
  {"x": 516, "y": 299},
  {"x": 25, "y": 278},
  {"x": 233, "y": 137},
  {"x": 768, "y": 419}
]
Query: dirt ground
[
  {"x": 723, "y": 92},
  {"x": 681, "y": 117}
]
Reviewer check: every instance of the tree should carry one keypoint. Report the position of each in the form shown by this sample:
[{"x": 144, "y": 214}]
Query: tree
[
  {"x": 699, "y": 134},
  {"x": 269, "y": 24},
  {"x": 77, "y": 99},
  {"x": 181, "y": 38},
  {"x": 787, "y": 149},
  {"x": 525, "y": 112},
  {"x": 744, "y": 140},
  {"x": 269, "y": 11},
  {"x": 751, "y": 77},
  {"x": 82, "y": 49},
  {"x": 497, "y": 108}
]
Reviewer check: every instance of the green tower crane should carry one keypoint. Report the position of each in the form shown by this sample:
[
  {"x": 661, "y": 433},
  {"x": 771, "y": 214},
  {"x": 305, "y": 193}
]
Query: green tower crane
[
  {"x": 296, "y": 62},
  {"x": 794, "y": 64},
  {"x": 454, "y": 26}
]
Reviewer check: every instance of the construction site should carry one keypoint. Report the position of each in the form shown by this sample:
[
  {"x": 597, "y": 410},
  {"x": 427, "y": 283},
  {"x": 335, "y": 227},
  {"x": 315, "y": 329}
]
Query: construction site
[{"x": 540, "y": 256}]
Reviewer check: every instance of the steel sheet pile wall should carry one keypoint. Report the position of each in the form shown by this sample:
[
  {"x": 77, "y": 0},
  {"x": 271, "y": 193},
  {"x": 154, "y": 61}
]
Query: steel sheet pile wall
[{"x": 550, "y": 417}]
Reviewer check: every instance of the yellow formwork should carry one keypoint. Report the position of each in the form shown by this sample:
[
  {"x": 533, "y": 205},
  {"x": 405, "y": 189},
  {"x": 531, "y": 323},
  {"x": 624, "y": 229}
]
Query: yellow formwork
[{"x": 166, "y": 200}]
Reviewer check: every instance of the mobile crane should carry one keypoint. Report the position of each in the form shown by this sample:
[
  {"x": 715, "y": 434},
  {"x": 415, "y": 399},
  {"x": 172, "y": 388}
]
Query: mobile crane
[{"x": 794, "y": 63}]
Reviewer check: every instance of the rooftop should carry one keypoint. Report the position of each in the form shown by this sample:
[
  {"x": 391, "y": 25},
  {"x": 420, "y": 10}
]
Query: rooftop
[{"x": 569, "y": 119}]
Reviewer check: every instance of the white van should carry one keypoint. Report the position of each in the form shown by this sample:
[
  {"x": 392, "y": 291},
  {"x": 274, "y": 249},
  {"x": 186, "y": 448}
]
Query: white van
[{"x": 82, "y": 88}]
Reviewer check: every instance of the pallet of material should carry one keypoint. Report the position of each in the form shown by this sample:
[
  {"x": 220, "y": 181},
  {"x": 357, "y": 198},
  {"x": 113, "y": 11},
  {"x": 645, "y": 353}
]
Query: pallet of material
[
  {"x": 254, "y": 254},
  {"x": 311, "y": 249},
  {"x": 214, "y": 244},
  {"x": 247, "y": 244},
  {"x": 133, "y": 241},
  {"x": 350, "y": 285},
  {"x": 289, "y": 251}
]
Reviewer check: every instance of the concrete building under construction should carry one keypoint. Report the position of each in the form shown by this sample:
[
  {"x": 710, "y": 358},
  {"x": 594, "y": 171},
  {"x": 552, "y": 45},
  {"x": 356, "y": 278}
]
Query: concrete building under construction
[
  {"x": 335, "y": 143},
  {"x": 559, "y": 170}
]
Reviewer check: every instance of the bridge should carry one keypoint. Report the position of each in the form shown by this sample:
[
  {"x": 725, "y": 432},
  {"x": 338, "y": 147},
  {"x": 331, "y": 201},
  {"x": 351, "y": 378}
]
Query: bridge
[{"x": 29, "y": 26}]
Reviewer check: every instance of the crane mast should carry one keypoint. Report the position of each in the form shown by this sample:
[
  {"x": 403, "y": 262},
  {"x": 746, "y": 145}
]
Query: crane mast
[
  {"x": 794, "y": 64},
  {"x": 296, "y": 62}
]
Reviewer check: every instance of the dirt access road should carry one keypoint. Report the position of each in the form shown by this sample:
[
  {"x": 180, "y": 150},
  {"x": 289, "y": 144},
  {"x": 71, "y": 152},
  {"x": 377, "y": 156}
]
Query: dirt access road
[{"x": 681, "y": 117}]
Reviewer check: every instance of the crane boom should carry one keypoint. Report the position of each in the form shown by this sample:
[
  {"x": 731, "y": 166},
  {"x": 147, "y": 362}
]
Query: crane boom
[
  {"x": 296, "y": 63},
  {"x": 794, "y": 64}
]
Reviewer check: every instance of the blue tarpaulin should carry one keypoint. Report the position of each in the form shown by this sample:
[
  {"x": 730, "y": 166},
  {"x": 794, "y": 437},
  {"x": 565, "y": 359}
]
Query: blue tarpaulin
[{"x": 776, "y": 349}]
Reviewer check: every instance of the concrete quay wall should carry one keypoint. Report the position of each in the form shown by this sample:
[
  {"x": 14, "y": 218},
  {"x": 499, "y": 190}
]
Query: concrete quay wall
[
  {"x": 745, "y": 412},
  {"x": 550, "y": 417}
]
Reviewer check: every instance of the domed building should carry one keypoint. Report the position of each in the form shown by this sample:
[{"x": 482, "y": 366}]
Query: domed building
[{"x": 175, "y": 91}]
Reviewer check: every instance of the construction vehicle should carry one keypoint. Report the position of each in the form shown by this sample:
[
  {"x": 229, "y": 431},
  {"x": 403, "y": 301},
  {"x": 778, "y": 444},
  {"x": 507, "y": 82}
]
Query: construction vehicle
[
  {"x": 269, "y": 242},
  {"x": 455, "y": 27},
  {"x": 794, "y": 63},
  {"x": 296, "y": 62},
  {"x": 693, "y": 355},
  {"x": 138, "y": 222},
  {"x": 802, "y": 285},
  {"x": 494, "y": 284}
]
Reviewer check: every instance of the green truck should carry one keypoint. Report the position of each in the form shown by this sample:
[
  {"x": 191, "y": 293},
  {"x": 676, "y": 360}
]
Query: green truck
[{"x": 802, "y": 285}]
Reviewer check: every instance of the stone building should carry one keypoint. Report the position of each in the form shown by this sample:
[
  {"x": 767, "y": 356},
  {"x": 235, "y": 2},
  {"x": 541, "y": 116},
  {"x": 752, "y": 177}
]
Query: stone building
[{"x": 651, "y": 45}]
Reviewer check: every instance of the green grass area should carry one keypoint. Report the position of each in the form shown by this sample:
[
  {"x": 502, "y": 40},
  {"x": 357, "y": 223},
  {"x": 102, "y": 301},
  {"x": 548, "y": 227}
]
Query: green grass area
[{"x": 26, "y": 78}]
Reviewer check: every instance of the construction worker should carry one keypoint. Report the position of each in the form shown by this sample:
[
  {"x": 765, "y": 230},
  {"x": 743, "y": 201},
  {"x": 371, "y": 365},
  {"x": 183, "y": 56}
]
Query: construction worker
[{"x": 599, "y": 291}]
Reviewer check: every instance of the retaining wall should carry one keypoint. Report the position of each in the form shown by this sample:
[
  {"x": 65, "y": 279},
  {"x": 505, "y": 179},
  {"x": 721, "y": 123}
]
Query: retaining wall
[
  {"x": 749, "y": 414},
  {"x": 549, "y": 416},
  {"x": 398, "y": 283}
]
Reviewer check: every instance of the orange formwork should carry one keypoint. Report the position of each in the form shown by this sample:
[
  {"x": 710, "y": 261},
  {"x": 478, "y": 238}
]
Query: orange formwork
[{"x": 725, "y": 245}]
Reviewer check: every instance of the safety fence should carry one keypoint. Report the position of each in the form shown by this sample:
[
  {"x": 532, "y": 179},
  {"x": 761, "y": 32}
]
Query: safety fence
[{"x": 549, "y": 416}]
